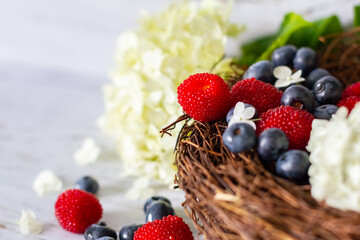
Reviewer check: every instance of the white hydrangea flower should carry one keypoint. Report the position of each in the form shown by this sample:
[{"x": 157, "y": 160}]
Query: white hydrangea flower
[
  {"x": 335, "y": 159},
  {"x": 285, "y": 76},
  {"x": 47, "y": 182},
  {"x": 151, "y": 62},
  {"x": 243, "y": 114},
  {"x": 88, "y": 152},
  {"x": 29, "y": 224}
]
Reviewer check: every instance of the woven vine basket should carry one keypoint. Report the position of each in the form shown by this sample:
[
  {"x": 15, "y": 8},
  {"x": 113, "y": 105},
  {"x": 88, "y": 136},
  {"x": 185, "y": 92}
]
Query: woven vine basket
[{"x": 232, "y": 196}]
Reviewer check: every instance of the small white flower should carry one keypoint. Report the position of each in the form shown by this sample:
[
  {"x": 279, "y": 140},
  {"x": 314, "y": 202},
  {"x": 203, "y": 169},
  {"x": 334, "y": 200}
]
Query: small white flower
[
  {"x": 285, "y": 76},
  {"x": 88, "y": 153},
  {"x": 243, "y": 114},
  {"x": 47, "y": 182},
  {"x": 29, "y": 224}
]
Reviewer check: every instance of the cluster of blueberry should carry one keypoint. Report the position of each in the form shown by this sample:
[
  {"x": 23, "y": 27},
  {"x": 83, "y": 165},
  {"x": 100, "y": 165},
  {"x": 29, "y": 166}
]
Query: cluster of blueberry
[
  {"x": 155, "y": 207},
  {"x": 318, "y": 94}
]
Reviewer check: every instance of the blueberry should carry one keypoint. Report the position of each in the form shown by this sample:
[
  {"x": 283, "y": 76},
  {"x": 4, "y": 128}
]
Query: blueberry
[
  {"x": 87, "y": 184},
  {"x": 95, "y": 231},
  {"x": 239, "y": 137},
  {"x": 325, "y": 111},
  {"x": 106, "y": 238},
  {"x": 327, "y": 90},
  {"x": 127, "y": 232},
  {"x": 298, "y": 96},
  {"x": 262, "y": 70},
  {"x": 158, "y": 210},
  {"x": 315, "y": 75},
  {"x": 231, "y": 113},
  {"x": 155, "y": 198},
  {"x": 293, "y": 165},
  {"x": 271, "y": 144},
  {"x": 305, "y": 59},
  {"x": 284, "y": 56}
]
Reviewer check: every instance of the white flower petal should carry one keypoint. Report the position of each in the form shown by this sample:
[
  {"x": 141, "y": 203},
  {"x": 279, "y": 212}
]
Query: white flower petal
[
  {"x": 47, "y": 182},
  {"x": 297, "y": 74},
  {"x": 281, "y": 83},
  {"x": 248, "y": 113},
  {"x": 239, "y": 109},
  {"x": 29, "y": 224},
  {"x": 282, "y": 72},
  {"x": 88, "y": 153}
]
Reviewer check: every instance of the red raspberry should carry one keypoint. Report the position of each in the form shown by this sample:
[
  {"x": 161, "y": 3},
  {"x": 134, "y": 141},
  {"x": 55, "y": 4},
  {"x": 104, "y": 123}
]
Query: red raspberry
[
  {"x": 352, "y": 90},
  {"x": 75, "y": 210},
  {"x": 170, "y": 227},
  {"x": 261, "y": 95},
  {"x": 349, "y": 102},
  {"x": 205, "y": 97},
  {"x": 295, "y": 123}
]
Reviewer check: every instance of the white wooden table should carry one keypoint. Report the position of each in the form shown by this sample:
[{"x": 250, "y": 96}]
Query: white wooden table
[{"x": 54, "y": 58}]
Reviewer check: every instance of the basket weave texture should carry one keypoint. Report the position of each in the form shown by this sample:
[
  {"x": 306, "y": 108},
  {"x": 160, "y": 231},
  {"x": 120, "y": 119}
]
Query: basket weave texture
[{"x": 232, "y": 196}]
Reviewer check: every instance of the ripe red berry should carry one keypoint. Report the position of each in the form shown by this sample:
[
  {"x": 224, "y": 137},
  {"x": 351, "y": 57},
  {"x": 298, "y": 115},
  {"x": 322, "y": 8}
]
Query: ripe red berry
[
  {"x": 205, "y": 97},
  {"x": 349, "y": 102},
  {"x": 170, "y": 227},
  {"x": 261, "y": 95},
  {"x": 76, "y": 209},
  {"x": 351, "y": 90},
  {"x": 295, "y": 123}
]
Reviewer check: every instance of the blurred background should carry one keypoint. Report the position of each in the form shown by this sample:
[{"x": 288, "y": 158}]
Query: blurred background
[{"x": 54, "y": 59}]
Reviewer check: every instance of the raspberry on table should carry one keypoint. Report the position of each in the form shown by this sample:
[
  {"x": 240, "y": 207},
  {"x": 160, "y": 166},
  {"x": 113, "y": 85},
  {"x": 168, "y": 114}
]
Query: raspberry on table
[
  {"x": 205, "y": 97},
  {"x": 170, "y": 227},
  {"x": 295, "y": 123},
  {"x": 262, "y": 96},
  {"x": 76, "y": 209},
  {"x": 349, "y": 102}
]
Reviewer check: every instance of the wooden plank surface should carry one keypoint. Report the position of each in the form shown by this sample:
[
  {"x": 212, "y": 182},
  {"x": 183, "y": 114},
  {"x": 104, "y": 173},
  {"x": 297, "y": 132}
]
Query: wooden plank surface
[{"x": 54, "y": 58}]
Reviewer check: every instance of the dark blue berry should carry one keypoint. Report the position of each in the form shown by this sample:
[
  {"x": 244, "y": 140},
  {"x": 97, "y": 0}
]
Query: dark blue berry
[
  {"x": 158, "y": 210},
  {"x": 155, "y": 198},
  {"x": 231, "y": 113},
  {"x": 327, "y": 90},
  {"x": 325, "y": 111},
  {"x": 106, "y": 238},
  {"x": 262, "y": 70},
  {"x": 239, "y": 137},
  {"x": 284, "y": 56},
  {"x": 293, "y": 165},
  {"x": 95, "y": 231},
  {"x": 127, "y": 232},
  {"x": 298, "y": 96},
  {"x": 87, "y": 184},
  {"x": 305, "y": 60},
  {"x": 315, "y": 75},
  {"x": 271, "y": 144}
]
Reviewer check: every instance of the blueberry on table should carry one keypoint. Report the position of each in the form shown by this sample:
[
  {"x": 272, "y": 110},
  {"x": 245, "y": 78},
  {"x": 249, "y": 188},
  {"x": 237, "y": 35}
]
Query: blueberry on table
[
  {"x": 284, "y": 56},
  {"x": 305, "y": 60},
  {"x": 158, "y": 210},
  {"x": 155, "y": 198},
  {"x": 271, "y": 144},
  {"x": 96, "y": 231},
  {"x": 127, "y": 232},
  {"x": 293, "y": 165},
  {"x": 298, "y": 96},
  {"x": 239, "y": 137},
  {"x": 327, "y": 90},
  {"x": 325, "y": 111},
  {"x": 87, "y": 184},
  {"x": 315, "y": 75},
  {"x": 262, "y": 70}
]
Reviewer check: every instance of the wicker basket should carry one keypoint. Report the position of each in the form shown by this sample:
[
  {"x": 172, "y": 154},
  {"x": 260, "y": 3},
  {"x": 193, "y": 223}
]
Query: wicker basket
[{"x": 232, "y": 196}]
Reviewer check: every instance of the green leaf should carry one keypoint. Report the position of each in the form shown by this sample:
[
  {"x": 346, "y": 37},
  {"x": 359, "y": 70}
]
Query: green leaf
[
  {"x": 291, "y": 23},
  {"x": 252, "y": 50},
  {"x": 357, "y": 16}
]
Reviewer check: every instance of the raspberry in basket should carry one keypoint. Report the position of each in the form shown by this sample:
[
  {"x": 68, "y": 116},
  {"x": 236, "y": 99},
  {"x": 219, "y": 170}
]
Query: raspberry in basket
[
  {"x": 295, "y": 123},
  {"x": 262, "y": 96},
  {"x": 205, "y": 97},
  {"x": 349, "y": 102}
]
